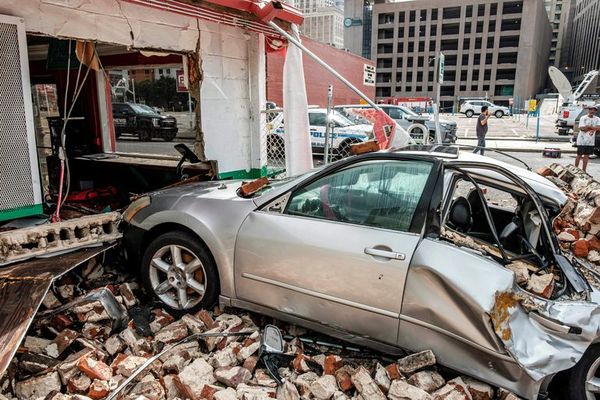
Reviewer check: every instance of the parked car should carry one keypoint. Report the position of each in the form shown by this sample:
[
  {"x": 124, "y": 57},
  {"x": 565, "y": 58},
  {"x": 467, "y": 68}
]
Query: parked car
[
  {"x": 472, "y": 107},
  {"x": 387, "y": 250},
  {"x": 143, "y": 121},
  {"x": 345, "y": 132},
  {"x": 568, "y": 116},
  {"x": 405, "y": 117}
]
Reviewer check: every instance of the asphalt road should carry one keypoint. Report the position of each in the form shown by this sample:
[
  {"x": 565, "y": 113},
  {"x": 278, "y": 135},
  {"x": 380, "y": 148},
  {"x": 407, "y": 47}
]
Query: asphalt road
[{"x": 514, "y": 127}]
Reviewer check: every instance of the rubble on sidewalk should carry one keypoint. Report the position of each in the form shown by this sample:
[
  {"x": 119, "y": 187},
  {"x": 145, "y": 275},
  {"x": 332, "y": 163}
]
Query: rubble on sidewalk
[
  {"x": 578, "y": 224},
  {"x": 80, "y": 354}
]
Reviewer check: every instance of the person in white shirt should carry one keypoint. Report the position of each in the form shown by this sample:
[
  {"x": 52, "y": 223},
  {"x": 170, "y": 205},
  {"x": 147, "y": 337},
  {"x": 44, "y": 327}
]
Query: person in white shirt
[{"x": 589, "y": 125}]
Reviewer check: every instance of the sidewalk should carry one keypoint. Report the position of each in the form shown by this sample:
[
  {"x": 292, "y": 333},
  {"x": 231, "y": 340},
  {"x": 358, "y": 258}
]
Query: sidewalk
[{"x": 521, "y": 145}]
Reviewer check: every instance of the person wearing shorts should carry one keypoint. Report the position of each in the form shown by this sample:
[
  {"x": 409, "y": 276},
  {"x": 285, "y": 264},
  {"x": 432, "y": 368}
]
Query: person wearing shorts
[{"x": 589, "y": 125}]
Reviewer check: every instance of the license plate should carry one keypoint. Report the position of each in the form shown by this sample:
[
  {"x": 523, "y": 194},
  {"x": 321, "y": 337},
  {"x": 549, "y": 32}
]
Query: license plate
[{"x": 120, "y": 121}]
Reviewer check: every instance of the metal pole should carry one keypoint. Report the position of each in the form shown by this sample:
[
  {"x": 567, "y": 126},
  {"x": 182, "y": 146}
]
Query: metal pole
[
  {"x": 527, "y": 121},
  {"x": 329, "y": 124},
  {"x": 322, "y": 63},
  {"x": 537, "y": 129},
  {"x": 438, "y": 132},
  {"x": 133, "y": 86}
]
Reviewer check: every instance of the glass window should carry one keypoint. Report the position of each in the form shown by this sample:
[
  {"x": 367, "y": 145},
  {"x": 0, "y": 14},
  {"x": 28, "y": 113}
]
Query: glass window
[
  {"x": 382, "y": 194},
  {"x": 394, "y": 113},
  {"x": 317, "y": 119}
]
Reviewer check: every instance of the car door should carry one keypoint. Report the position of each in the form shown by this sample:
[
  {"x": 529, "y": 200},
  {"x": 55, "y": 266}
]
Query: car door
[
  {"x": 476, "y": 107},
  {"x": 339, "y": 250},
  {"x": 317, "y": 121}
]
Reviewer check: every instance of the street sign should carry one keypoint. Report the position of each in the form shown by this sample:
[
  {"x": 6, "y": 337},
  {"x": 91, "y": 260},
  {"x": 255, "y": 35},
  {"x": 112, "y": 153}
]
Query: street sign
[
  {"x": 369, "y": 75},
  {"x": 441, "y": 67},
  {"x": 532, "y": 105},
  {"x": 180, "y": 79}
]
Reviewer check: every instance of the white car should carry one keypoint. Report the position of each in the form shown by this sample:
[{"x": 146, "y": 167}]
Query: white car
[
  {"x": 472, "y": 107},
  {"x": 345, "y": 132}
]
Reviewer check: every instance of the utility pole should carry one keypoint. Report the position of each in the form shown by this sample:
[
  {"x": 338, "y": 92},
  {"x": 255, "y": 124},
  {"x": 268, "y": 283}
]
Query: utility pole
[
  {"x": 329, "y": 124},
  {"x": 440, "y": 80}
]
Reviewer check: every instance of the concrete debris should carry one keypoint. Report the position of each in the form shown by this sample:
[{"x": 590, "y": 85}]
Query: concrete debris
[
  {"x": 578, "y": 224},
  {"x": 78, "y": 353}
]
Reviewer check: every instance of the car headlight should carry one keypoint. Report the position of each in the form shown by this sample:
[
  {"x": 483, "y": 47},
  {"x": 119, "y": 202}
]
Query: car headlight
[{"x": 135, "y": 207}]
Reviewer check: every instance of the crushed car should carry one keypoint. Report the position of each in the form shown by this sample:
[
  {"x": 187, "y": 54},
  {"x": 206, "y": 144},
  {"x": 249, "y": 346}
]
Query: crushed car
[{"x": 399, "y": 249}]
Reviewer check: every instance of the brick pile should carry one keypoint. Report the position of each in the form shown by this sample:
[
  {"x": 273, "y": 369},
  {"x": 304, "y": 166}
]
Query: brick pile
[
  {"x": 578, "y": 225},
  {"x": 79, "y": 355}
]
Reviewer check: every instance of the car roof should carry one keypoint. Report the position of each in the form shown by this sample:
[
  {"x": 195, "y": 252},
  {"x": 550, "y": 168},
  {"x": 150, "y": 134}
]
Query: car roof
[{"x": 548, "y": 190}]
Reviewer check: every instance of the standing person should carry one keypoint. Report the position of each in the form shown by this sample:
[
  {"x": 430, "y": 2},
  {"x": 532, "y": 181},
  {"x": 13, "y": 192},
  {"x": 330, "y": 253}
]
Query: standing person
[
  {"x": 589, "y": 125},
  {"x": 482, "y": 128}
]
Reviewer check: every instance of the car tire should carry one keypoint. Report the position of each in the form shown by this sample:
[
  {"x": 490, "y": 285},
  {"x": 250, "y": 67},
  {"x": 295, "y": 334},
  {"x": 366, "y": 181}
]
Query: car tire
[
  {"x": 169, "y": 137},
  {"x": 192, "y": 286},
  {"x": 144, "y": 136},
  {"x": 499, "y": 114},
  {"x": 469, "y": 113},
  {"x": 587, "y": 367}
]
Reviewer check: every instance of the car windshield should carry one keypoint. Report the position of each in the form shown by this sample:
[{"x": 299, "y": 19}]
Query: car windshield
[
  {"x": 142, "y": 109},
  {"x": 408, "y": 111},
  {"x": 341, "y": 120}
]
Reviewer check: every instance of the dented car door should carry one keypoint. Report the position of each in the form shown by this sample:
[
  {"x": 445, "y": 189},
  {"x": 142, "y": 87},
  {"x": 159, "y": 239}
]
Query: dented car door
[{"x": 338, "y": 250}]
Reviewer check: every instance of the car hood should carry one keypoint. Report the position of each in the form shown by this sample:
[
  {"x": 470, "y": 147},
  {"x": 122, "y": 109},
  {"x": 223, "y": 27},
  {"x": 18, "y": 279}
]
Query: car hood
[
  {"x": 218, "y": 190},
  {"x": 362, "y": 128}
]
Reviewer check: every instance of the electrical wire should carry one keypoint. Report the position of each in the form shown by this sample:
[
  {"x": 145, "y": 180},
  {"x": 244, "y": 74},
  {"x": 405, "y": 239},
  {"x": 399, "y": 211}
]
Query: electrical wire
[{"x": 65, "y": 173}]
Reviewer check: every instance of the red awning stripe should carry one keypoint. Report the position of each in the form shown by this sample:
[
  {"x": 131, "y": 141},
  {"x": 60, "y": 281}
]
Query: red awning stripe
[{"x": 197, "y": 11}]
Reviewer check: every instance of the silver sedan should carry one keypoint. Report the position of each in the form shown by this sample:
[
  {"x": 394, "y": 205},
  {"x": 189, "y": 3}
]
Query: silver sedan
[{"x": 420, "y": 248}]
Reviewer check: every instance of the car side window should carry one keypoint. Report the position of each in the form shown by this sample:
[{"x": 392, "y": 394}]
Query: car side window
[
  {"x": 395, "y": 113},
  {"x": 382, "y": 194},
  {"x": 317, "y": 119}
]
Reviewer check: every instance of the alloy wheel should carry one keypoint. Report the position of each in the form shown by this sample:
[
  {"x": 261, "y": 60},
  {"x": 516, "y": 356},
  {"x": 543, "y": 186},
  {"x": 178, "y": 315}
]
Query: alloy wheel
[
  {"x": 177, "y": 276},
  {"x": 592, "y": 381}
]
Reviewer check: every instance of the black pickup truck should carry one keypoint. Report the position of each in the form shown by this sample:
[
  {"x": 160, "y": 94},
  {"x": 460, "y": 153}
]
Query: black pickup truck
[{"x": 142, "y": 121}]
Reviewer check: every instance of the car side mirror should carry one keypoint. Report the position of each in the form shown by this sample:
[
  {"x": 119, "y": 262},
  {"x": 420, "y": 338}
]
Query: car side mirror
[{"x": 272, "y": 341}]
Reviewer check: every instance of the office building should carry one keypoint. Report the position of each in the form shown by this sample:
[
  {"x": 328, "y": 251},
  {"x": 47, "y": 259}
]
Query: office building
[
  {"x": 493, "y": 48},
  {"x": 561, "y": 18},
  {"x": 358, "y": 16},
  {"x": 323, "y": 21},
  {"x": 584, "y": 48}
]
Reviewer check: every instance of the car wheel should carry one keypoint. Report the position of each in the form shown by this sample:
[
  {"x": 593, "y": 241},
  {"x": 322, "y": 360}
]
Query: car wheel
[
  {"x": 180, "y": 272},
  {"x": 144, "y": 136},
  {"x": 499, "y": 114},
  {"x": 584, "y": 379},
  {"x": 168, "y": 137},
  {"x": 469, "y": 114}
]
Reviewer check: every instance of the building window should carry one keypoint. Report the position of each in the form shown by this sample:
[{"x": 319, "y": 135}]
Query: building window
[
  {"x": 420, "y": 62},
  {"x": 510, "y": 24},
  {"x": 479, "y": 28},
  {"x": 469, "y": 11},
  {"x": 490, "y": 42},
  {"x": 512, "y": 7},
  {"x": 400, "y": 47},
  {"x": 401, "y": 16},
  {"x": 478, "y": 43},
  {"x": 451, "y": 12},
  {"x": 477, "y": 59},
  {"x": 421, "y": 46},
  {"x": 494, "y": 9},
  {"x": 488, "y": 58},
  {"x": 487, "y": 75},
  {"x": 433, "y": 30},
  {"x": 463, "y": 76},
  {"x": 423, "y": 15},
  {"x": 411, "y": 47},
  {"x": 411, "y": 31},
  {"x": 412, "y": 16},
  {"x": 481, "y": 10},
  {"x": 467, "y": 27},
  {"x": 492, "y": 26},
  {"x": 432, "y": 45},
  {"x": 434, "y": 14}
]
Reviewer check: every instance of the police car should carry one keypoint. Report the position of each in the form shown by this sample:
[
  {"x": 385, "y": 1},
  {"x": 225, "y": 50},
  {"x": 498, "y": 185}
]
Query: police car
[{"x": 344, "y": 133}]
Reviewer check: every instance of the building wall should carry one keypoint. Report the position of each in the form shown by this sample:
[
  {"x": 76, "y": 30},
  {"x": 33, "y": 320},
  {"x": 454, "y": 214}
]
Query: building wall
[
  {"x": 323, "y": 21},
  {"x": 584, "y": 48},
  {"x": 317, "y": 78},
  {"x": 497, "y": 48},
  {"x": 560, "y": 17}
]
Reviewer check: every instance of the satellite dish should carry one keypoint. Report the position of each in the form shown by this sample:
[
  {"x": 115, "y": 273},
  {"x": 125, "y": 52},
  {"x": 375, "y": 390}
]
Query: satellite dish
[{"x": 561, "y": 82}]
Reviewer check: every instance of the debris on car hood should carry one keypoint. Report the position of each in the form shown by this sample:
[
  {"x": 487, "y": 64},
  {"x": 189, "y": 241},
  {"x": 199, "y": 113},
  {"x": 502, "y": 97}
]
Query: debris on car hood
[
  {"x": 578, "y": 224},
  {"x": 80, "y": 354},
  {"x": 521, "y": 314}
]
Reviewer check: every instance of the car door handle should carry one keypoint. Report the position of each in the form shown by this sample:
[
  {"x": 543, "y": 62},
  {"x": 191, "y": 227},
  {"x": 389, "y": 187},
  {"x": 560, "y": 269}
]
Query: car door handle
[{"x": 392, "y": 255}]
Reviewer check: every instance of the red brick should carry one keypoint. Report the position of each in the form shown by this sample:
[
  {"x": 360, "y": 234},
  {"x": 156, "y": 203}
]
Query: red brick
[
  {"x": 94, "y": 369},
  {"x": 332, "y": 364},
  {"x": 594, "y": 244},
  {"x": 393, "y": 371},
  {"x": 580, "y": 248}
]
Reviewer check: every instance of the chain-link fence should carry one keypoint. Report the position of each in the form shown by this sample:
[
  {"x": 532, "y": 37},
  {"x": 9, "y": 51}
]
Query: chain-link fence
[{"x": 274, "y": 143}]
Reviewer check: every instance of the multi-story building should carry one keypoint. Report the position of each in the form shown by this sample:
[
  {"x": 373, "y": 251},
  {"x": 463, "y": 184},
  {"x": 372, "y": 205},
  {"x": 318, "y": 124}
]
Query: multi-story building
[
  {"x": 358, "y": 16},
  {"x": 323, "y": 21},
  {"x": 493, "y": 48},
  {"x": 561, "y": 19},
  {"x": 584, "y": 48}
]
